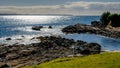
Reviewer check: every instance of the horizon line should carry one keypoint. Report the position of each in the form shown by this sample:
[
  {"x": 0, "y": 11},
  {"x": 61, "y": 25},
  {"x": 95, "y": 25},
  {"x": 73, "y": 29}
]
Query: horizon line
[{"x": 50, "y": 14}]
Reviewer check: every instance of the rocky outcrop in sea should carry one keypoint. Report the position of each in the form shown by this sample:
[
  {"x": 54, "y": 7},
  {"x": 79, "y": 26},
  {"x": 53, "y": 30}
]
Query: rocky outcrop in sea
[
  {"x": 37, "y": 28},
  {"x": 81, "y": 28}
]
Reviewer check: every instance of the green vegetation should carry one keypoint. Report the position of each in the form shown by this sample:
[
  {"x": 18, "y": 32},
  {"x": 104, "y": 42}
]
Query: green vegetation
[
  {"x": 108, "y": 18},
  {"x": 104, "y": 19},
  {"x": 104, "y": 60},
  {"x": 115, "y": 20}
]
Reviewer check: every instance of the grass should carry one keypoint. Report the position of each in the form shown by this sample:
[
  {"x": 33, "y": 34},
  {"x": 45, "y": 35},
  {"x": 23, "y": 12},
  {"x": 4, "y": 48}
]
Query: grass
[{"x": 104, "y": 60}]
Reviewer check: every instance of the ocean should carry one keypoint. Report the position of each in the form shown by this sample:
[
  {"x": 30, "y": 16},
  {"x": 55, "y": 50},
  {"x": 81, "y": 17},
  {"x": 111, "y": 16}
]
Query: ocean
[{"x": 18, "y": 28}]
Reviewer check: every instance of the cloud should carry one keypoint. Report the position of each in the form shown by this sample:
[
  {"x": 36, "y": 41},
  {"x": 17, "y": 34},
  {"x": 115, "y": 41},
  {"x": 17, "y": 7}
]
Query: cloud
[
  {"x": 74, "y": 8},
  {"x": 94, "y": 5}
]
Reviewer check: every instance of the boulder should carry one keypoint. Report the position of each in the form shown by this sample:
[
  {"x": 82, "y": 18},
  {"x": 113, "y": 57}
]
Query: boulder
[
  {"x": 90, "y": 48},
  {"x": 50, "y": 27},
  {"x": 8, "y": 38},
  {"x": 70, "y": 29},
  {"x": 37, "y": 28}
]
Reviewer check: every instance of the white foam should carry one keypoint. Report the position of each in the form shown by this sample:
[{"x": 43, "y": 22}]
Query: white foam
[
  {"x": 53, "y": 31},
  {"x": 18, "y": 39},
  {"x": 26, "y": 39},
  {"x": 27, "y": 28}
]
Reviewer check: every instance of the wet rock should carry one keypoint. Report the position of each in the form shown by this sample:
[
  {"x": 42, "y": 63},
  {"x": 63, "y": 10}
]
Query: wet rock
[
  {"x": 50, "y": 27},
  {"x": 8, "y": 39},
  {"x": 33, "y": 38},
  {"x": 22, "y": 36},
  {"x": 37, "y": 28}
]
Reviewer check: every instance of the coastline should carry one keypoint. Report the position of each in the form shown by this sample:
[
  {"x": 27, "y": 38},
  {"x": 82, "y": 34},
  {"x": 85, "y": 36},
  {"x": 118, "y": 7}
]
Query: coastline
[
  {"x": 49, "y": 48},
  {"x": 19, "y": 55},
  {"x": 81, "y": 28}
]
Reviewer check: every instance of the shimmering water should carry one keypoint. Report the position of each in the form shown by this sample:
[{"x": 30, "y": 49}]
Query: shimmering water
[
  {"x": 20, "y": 24},
  {"x": 17, "y": 26}
]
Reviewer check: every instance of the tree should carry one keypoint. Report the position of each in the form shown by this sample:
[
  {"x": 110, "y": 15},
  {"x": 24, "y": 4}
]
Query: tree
[
  {"x": 115, "y": 20},
  {"x": 104, "y": 19}
]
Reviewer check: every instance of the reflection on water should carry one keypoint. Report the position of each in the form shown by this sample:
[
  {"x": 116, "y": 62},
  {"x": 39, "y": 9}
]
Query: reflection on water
[
  {"x": 20, "y": 25},
  {"x": 107, "y": 43},
  {"x": 23, "y": 19}
]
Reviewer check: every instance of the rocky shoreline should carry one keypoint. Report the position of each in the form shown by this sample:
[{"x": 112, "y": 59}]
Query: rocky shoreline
[
  {"x": 81, "y": 28},
  {"x": 49, "y": 47},
  {"x": 52, "y": 47}
]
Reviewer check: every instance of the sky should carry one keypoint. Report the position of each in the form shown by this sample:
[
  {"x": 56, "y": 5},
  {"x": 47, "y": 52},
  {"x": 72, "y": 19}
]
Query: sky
[{"x": 69, "y": 7}]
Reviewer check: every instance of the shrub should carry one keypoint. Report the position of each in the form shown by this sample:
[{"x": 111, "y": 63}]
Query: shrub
[
  {"x": 104, "y": 19},
  {"x": 115, "y": 20}
]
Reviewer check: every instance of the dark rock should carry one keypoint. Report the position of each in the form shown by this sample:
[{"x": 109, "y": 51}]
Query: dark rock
[
  {"x": 95, "y": 24},
  {"x": 33, "y": 38},
  {"x": 2, "y": 44},
  {"x": 37, "y": 28},
  {"x": 70, "y": 29},
  {"x": 91, "y": 48},
  {"x": 8, "y": 38},
  {"x": 12, "y": 56},
  {"x": 85, "y": 52},
  {"x": 22, "y": 36},
  {"x": 87, "y": 48},
  {"x": 50, "y": 47},
  {"x": 94, "y": 48},
  {"x": 50, "y": 27},
  {"x": 79, "y": 28},
  {"x": 2, "y": 54},
  {"x": 4, "y": 66},
  {"x": 30, "y": 51},
  {"x": 18, "y": 39}
]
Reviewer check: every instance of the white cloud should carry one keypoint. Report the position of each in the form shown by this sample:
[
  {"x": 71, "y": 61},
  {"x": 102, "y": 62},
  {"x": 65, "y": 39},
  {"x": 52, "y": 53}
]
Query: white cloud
[
  {"x": 74, "y": 8},
  {"x": 94, "y": 5}
]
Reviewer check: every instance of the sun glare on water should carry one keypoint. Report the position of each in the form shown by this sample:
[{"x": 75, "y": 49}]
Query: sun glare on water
[{"x": 32, "y": 19}]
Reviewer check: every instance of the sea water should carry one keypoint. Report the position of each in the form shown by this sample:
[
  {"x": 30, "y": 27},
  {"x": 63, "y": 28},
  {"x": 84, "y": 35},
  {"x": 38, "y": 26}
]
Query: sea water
[{"x": 18, "y": 28}]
